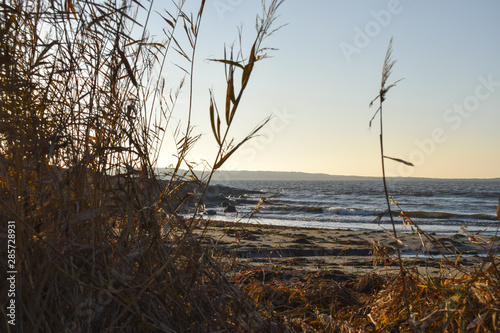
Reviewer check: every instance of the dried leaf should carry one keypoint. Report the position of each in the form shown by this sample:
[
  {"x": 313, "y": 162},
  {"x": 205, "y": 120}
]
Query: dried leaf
[
  {"x": 474, "y": 237},
  {"x": 42, "y": 54},
  {"x": 249, "y": 67},
  {"x": 72, "y": 8},
  {"x": 228, "y": 62},
  {"x": 224, "y": 158},
  {"x": 125, "y": 62},
  {"x": 215, "y": 128},
  {"x": 380, "y": 216},
  {"x": 170, "y": 22},
  {"x": 371, "y": 120},
  {"x": 392, "y": 236},
  {"x": 179, "y": 50},
  {"x": 230, "y": 95},
  {"x": 188, "y": 34},
  {"x": 399, "y": 160}
]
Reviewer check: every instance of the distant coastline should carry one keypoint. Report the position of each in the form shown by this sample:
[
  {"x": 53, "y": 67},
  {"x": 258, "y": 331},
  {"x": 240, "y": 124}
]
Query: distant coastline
[
  {"x": 282, "y": 175},
  {"x": 304, "y": 176}
]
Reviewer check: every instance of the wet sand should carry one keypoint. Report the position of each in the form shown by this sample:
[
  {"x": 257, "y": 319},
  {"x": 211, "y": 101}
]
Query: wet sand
[{"x": 348, "y": 251}]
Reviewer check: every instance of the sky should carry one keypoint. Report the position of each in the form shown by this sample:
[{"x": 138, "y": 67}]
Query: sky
[{"x": 444, "y": 116}]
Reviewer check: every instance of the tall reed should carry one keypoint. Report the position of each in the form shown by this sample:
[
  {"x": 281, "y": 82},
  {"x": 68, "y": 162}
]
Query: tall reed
[
  {"x": 430, "y": 303},
  {"x": 384, "y": 89},
  {"x": 84, "y": 114}
]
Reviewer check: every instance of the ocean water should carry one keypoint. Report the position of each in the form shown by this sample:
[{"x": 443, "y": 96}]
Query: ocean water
[{"x": 441, "y": 206}]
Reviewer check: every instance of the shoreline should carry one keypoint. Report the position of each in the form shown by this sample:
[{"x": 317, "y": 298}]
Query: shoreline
[
  {"x": 434, "y": 206},
  {"x": 355, "y": 226},
  {"x": 350, "y": 251}
]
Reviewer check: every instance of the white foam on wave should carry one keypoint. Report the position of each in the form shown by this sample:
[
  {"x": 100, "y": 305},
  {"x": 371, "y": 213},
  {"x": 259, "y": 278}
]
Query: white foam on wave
[{"x": 349, "y": 211}]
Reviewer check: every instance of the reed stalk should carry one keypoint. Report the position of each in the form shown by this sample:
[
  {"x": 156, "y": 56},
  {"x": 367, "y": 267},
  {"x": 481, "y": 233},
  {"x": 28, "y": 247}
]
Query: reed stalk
[
  {"x": 384, "y": 89},
  {"x": 84, "y": 108}
]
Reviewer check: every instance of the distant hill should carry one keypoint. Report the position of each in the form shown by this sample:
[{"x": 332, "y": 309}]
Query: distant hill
[
  {"x": 279, "y": 175},
  {"x": 276, "y": 175},
  {"x": 287, "y": 176}
]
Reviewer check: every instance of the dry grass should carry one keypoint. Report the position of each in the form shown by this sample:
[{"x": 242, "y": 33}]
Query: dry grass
[
  {"x": 450, "y": 295},
  {"x": 101, "y": 246},
  {"x": 84, "y": 114}
]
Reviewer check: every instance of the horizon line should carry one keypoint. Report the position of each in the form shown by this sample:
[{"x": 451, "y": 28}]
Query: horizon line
[{"x": 351, "y": 175}]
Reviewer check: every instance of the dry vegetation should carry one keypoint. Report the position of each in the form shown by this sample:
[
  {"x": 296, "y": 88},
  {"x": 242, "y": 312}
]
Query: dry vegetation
[
  {"x": 100, "y": 244},
  {"x": 84, "y": 112},
  {"x": 338, "y": 302}
]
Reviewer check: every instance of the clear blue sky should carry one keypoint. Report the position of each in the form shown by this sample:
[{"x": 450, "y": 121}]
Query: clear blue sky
[{"x": 444, "y": 116}]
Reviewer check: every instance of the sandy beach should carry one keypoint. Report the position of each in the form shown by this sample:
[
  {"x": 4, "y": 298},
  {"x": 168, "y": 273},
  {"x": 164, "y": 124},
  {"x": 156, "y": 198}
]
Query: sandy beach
[{"x": 348, "y": 251}]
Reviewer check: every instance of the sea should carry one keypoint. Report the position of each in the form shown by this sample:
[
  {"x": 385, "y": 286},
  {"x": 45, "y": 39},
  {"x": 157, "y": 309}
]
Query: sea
[{"x": 440, "y": 206}]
